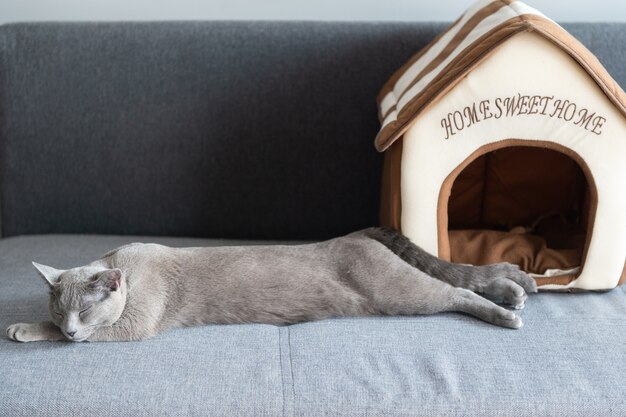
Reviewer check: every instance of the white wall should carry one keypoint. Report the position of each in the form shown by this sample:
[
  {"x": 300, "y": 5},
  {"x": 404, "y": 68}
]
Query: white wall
[{"x": 410, "y": 10}]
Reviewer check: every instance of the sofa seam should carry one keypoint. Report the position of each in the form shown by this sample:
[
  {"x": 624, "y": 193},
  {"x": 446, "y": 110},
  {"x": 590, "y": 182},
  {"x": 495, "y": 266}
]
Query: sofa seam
[
  {"x": 280, "y": 361},
  {"x": 286, "y": 372},
  {"x": 293, "y": 385}
]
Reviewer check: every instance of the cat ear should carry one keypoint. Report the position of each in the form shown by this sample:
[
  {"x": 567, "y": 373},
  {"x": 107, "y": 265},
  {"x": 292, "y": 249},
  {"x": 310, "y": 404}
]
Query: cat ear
[
  {"x": 50, "y": 274},
  {"x": 109, "y": 280}
]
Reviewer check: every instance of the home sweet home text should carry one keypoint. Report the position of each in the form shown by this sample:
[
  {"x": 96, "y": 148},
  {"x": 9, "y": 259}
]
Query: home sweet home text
[{"x": 518, "y": 106}]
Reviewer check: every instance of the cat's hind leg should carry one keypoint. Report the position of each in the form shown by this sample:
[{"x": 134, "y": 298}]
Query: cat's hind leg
[
  {"x": 404, "y": 290},
  {"x": 503, "y": 282},
  {"x": 466, "y": 301}
]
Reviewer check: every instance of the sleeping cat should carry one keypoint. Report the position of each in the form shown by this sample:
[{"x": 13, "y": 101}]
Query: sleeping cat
[{"x": 140, "y": 290}]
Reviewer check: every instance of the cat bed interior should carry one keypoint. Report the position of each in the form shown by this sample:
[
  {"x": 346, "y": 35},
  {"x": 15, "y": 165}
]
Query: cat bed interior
[
  {"x": 504, "y": 140},
  {"x": 524, "y": 205}
]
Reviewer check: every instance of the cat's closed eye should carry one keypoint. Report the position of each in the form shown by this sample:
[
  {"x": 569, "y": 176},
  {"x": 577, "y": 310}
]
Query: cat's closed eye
[
  {"x": 58, "y": 314},
  {"x": 80, "y": 313}
]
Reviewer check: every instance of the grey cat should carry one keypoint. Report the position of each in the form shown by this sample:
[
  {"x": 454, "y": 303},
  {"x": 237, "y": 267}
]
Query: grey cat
[{"x": 139, "y": 290}]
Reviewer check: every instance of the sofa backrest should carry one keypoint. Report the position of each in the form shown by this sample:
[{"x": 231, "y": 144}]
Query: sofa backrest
[{"x": 257, "y": 130}]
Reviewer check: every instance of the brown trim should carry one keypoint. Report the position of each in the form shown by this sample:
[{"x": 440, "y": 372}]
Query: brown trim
[
  {"x": 448, "y": 78},
  {"x": 583, "y": 57},
  {"x": 391, "y": 200},
  {"x": 479, "y": 51},
  {"x": 623, "y": 277},
  {"x": 384, "y": 116},
  {"x": 556, "y": 280},
  {"x": 469, "y": 26},
  {"x": 388, "y": 86},
  {"x": 443, "y": 242}
]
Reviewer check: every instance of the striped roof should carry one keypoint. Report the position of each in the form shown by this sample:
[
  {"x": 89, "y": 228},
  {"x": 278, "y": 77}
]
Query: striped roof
[{"x": 443, "y": 63}]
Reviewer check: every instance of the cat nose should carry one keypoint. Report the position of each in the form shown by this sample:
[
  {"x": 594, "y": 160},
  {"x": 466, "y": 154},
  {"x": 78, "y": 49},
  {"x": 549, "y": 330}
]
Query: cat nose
[{"x": 71, "y": 334}]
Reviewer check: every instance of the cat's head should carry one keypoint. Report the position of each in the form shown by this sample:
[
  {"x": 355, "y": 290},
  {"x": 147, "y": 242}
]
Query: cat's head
[{"x": 84, "y": 299}]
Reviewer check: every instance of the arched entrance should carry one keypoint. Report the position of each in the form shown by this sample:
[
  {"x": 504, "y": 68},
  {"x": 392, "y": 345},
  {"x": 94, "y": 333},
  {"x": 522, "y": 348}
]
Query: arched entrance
[{"x": 530, "y": 203}]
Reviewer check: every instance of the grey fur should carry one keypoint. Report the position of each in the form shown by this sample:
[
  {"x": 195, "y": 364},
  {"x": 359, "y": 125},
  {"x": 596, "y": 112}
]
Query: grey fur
[
  {"x": 501, "y": 282},
  {"x": 139, "y": 290}
]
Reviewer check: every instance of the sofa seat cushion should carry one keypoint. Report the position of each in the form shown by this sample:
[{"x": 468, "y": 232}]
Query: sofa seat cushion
[{"x": 568, "y": 359}]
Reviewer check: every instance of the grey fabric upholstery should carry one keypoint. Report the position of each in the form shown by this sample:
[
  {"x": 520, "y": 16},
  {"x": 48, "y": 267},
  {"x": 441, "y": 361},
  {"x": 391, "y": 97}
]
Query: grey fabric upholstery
[
  {"x": 257, "y": 130},
  {"x": 568, "y": 359},
  {"x": 209, "y": 129}
]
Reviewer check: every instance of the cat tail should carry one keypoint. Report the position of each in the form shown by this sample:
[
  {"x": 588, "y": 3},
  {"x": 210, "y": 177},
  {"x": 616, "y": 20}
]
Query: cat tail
[{"x": 400, "y": 245}]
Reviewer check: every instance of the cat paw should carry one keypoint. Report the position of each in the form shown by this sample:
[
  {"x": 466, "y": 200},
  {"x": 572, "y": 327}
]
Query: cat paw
[
  {"x": 514, "y": 273},
  {"x": 506, "y": 291},
  {"x": 32, "y": 332},
  {"x": 506, "y": 318},
  {"x": 18, "y": 332},
  {"x": 503, "y": 283}
]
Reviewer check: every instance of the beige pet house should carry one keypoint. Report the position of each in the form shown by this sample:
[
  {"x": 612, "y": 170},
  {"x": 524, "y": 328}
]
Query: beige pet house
[{"x": 505, "y": 140}]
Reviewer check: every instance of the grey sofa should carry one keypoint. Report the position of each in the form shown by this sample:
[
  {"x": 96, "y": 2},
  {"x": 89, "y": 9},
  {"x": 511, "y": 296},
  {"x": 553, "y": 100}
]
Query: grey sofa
[{"x": 236, "y": 133}]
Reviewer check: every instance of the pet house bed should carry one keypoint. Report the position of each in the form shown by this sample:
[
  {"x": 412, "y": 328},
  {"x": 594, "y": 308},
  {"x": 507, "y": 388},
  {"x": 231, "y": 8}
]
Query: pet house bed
[{"x": 505, "y": 140}]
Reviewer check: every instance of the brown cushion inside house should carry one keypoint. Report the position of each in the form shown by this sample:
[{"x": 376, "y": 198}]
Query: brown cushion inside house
[
  {"x": 539, "y": 193},
  {"x": 530, "y": 252}
]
